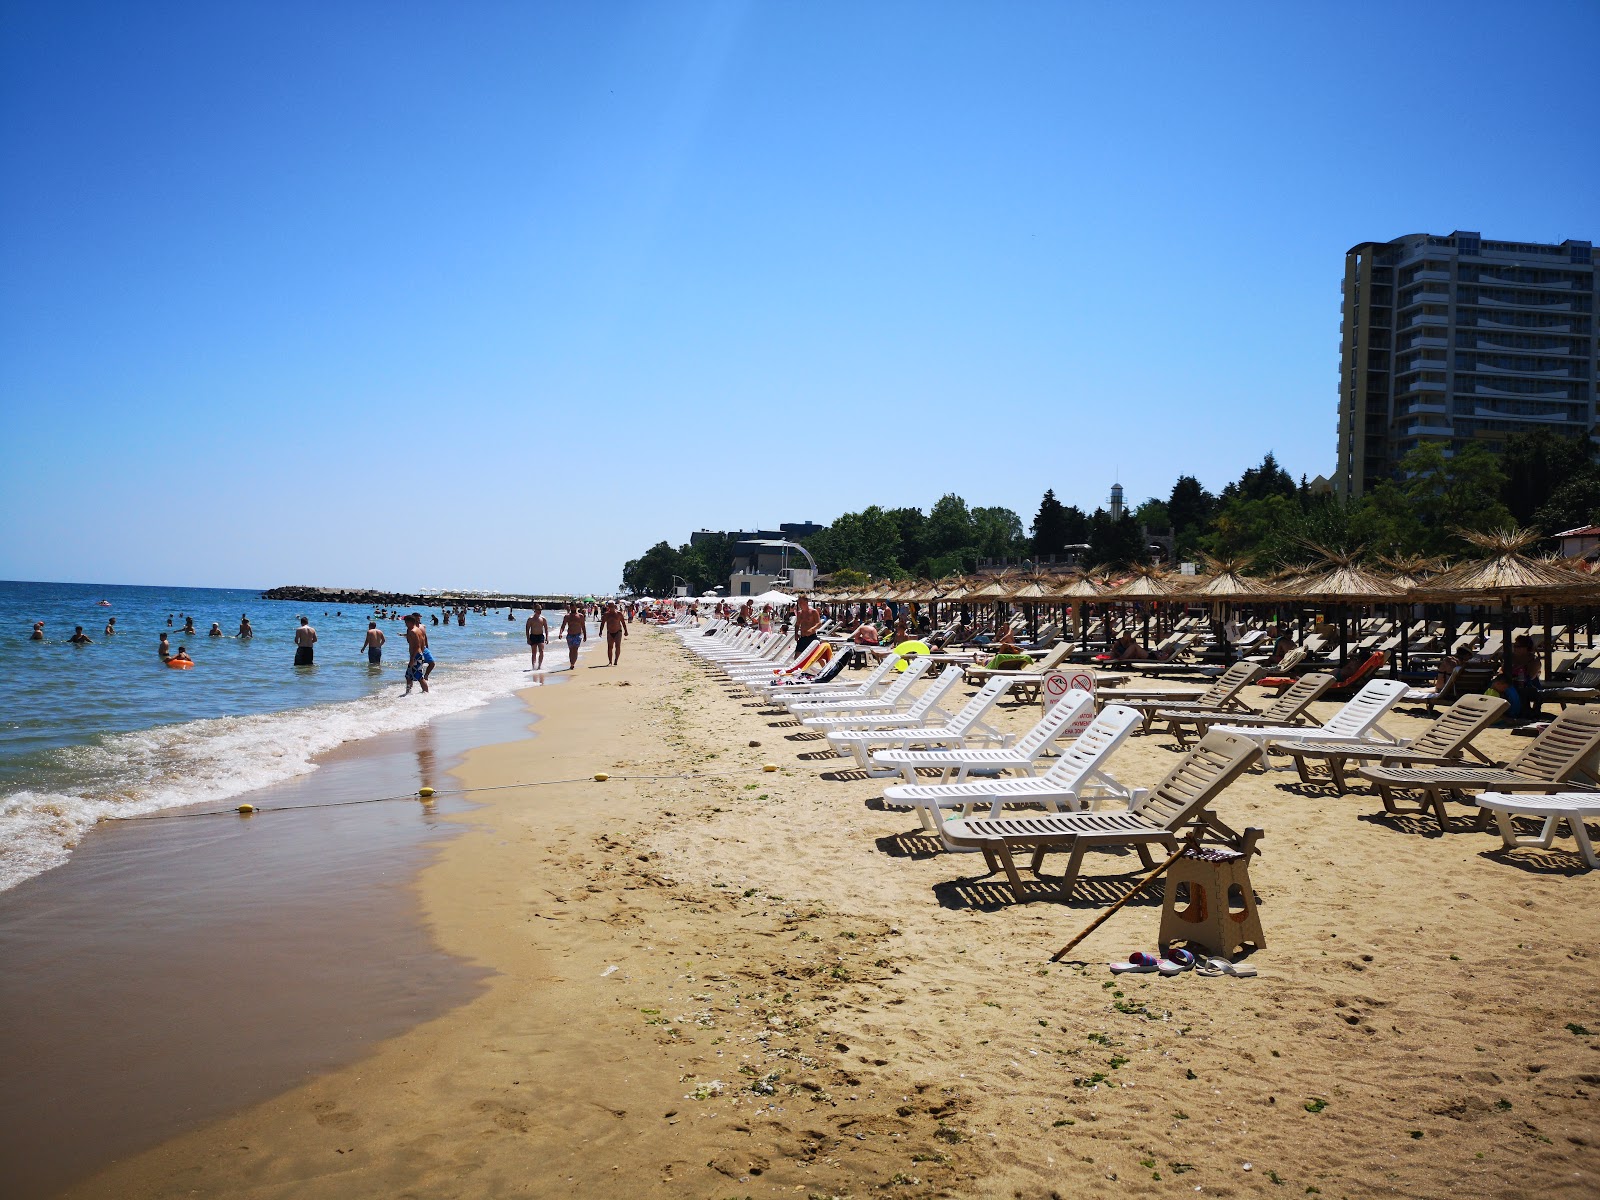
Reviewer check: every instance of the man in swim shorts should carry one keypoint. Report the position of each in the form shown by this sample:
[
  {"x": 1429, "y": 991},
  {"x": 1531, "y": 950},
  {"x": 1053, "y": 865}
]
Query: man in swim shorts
[
  {"x": 79, "y": 637},
  {"x": 576, "y": 630},
  {"x": 616, "y": 628},
  {"x": 374, "y": 643},
  {"x": 163, "y": 649},
  {"x": 419, "y": 661},
  {"x": 111, "y": 627},
  {"x": 244, "y": 627},
  {"x": 538, "y": 631},
  {"x": 807, "y": 621},
  {"x": 304, "y": 638}
]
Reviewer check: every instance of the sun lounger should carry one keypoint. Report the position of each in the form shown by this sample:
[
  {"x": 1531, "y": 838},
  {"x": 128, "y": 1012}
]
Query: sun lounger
[
  {"x": 1023, "y": 756},
  {"x": 1357, "y": 720},
  {"x": 1220, "y": 696},
  {"x": 890, "y": 701},
  {"x": 1052, "y": 658},
  {"x": 1076, "y": 780},
  {"x": 969, "y": 727},
  {"x": 1573, "y": 808},
  {"x": 860, "y": 689},
  {"x": 924, "y": 710},
  {"x": 1288, "y": 709},
  {"x": 1445, "y": 741},
  {"x": 1183, "y": 796},
  {"x": 1548, "y": 765}
]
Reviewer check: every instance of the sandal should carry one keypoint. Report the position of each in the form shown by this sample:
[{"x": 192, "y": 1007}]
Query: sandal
[
  {"x": 1140, "y": 962},
  {"x": 1216, "y": 965}
]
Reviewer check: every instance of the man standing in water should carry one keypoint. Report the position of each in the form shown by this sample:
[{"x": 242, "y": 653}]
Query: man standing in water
[
  {"x": 538, "y": 631},
  {"x": 419, "y": 662},
  {"x": 304, "y": 638},
  {"x": 244, "y": 627},
  {"x": 807, "y": 621},
  {"x": 576, "y": 629},
  {"x": 374, "y": 643},
  {"x": 615, "y": 626}
]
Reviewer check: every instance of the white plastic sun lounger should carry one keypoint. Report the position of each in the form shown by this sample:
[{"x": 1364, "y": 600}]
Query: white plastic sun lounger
[
  {"x": 892, "y": 699},
  {"x": 1570, "y": 807},
  {"x": 924, "y": 710},
  {"x": 859, "y": 689},
  {"x": 1023, "y": 756},
  {"x": 1357, "y": 720},
  {"x": 968, "y": 727},
  {"x": 1074, "y": 781}
]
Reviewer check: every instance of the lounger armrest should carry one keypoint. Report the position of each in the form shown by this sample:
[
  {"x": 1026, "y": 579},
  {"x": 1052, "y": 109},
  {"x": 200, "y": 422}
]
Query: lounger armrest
[{"x": 1438, "y": 760}]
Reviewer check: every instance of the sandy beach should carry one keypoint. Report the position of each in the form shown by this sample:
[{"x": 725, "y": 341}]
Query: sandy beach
[{"x": 752, "y": 983}]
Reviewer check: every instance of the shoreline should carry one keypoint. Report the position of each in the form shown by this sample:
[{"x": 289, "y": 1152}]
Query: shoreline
[
  {"x": 761, "y": 984},
  {"x": 177, "y": 968}
]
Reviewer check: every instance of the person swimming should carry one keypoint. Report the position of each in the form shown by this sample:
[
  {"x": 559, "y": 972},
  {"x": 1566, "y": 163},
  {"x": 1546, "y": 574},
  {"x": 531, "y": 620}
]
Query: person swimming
[
  {"x": 216, "y": 630},
  {"x": 38, "y": 632},
  {"x": 79, "y": 637}
]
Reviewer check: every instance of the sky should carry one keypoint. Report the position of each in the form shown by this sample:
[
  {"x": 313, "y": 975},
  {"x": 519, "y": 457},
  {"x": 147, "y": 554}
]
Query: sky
[{"x": 498, "y": 295}]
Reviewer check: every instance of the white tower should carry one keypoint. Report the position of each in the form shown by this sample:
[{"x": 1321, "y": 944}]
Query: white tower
[{"x": 1116, "y": 502}]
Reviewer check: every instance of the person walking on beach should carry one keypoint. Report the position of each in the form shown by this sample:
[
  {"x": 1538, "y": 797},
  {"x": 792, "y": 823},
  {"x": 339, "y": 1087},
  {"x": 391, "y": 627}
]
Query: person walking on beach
[
  {"x": 807, "y": 621},
  {"x": 538, "y": 631},
  {"x": 304, "y": 639},
  {"x": 615, "y": 626},
  {"x": 418, "y": 659},
  {"x": 373, "y": 644},
  {"x": 244, "y": 627},
  {"x": 576, "y": 630}
]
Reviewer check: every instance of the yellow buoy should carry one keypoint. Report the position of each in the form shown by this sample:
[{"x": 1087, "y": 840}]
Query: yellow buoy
[
  {"x": 769, "y": 767},
  {"x": 425, "y": 793},
  {"x": 601, "y": 777},
  {"x": 246, "y": 809}
]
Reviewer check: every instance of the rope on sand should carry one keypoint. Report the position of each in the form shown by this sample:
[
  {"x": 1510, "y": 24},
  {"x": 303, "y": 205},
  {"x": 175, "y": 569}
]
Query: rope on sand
[{"x": 427, "y": 795}]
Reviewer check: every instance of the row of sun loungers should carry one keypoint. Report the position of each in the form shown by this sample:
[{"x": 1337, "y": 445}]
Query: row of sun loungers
[{"x": 1073, "y": 801}]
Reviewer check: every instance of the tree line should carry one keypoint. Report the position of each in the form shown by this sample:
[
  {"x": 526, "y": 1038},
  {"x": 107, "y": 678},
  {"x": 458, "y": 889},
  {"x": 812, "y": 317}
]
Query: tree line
[{"x": 1542, "y": 479}]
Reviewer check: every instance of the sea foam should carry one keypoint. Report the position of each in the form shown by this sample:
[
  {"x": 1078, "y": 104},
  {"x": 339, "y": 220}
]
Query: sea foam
[{"x": 197, "y": 762}]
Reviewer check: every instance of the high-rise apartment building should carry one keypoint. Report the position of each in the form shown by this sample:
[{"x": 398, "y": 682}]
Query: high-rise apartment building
[{"x": 1459, "y": 339}]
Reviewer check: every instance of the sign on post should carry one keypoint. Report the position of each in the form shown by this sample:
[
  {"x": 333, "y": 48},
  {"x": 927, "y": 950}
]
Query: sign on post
[{"x": 1056, "y": 684}]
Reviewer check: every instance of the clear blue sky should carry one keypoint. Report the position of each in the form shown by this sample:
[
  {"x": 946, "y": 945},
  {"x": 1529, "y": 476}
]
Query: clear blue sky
[{"x": 501, "y": 294}]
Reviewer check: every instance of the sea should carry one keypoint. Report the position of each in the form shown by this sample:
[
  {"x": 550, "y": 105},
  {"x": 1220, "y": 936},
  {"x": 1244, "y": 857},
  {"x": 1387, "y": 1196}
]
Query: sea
[{"x": 106, "y": 730}]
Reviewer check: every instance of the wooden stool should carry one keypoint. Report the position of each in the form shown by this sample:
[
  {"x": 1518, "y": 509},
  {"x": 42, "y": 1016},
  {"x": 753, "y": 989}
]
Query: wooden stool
[{"x": 1217, "y": 880}]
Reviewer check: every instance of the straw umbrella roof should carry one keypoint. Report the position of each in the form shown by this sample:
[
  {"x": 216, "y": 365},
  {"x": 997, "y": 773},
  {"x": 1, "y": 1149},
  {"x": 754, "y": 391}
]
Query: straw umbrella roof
[
  {"x": 1508, "y": 574},
  {"x": 1224, "y": 580},
  {"x": 1148, "y": 583},
  {"x": 998, "y": 588},
  {"x": 1034, "y": 587},
  {"x": 1341, "y": 579},
  {"x": 1084, "y": 587}
]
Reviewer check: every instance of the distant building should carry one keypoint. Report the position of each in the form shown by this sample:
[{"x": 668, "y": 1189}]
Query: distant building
[
  {"x": 1579, "y": 543},
  {"x": 1455, "y": 340}
]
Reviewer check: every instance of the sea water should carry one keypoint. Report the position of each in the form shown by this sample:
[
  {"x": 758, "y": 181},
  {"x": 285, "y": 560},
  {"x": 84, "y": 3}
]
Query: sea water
[{"x": 108, "y": 730}]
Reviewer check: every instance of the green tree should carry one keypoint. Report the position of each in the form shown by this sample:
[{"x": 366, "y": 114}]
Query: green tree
[
  {"x": 998, "y": 533},
  {"x": 1575, "y": 502},
  {"x": 950, "y": 529},
  {"x": 1536, "y": 464},
  {"x": 911, "y": 526},
  {"x": 1153, "y": 515},
  {"x": 651, "y": 573},
  {"x": 1189, "y": 511},
  {"x": 1116, "y": 542},
  {"x": 1257, "y": 483},
  {"x": 1050, "y": 526},
  {"x": 1437, "y": 495}
]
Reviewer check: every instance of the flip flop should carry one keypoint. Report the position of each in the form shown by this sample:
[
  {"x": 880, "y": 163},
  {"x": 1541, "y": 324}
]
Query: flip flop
[
  {"x": 1176, "y": 962},
  {"x": 1217, "y": 965},
  {"x": 1140, "y": 962}
]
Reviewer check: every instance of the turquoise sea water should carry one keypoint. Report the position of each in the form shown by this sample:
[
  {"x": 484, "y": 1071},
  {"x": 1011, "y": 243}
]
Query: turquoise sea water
[{"x": 106, "y": 729}]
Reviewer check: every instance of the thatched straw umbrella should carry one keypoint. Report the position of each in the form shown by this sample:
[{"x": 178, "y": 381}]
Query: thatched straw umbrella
[
  {"x": 1508, "y": 577},
  {"x": 1341, "y": 582},
  {"x": 1149, "y": 585},
  {"x": 1030, "y": 591},
  {"x": 1225, "y": 584},
  {"x": 1078, "y": 591}
]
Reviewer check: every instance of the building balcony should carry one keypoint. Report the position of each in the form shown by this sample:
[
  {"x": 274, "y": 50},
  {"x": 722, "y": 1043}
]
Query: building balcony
[
  {"x": 1426, "y": 298},
  {"x": 1495, "y": 414},
  {"x": 1543, "y": 351},
  {"x": 1483, "y": 389},
  {"x": 1422, "y": 342},
  {"x": 1535, "y": 305},
  {"x": 1424, "y": 407},
  {"x": 1431, "y": 276},
  {"x": 1429, "y": 319},
  {"x": 1428, "y": 427},
  {"x": 1491, "y": 323},
  {"x": 1491, "y": 281}
]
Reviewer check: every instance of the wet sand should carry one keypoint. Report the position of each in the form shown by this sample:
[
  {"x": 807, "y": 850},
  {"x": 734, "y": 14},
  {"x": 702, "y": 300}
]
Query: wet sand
[
  {"x": 751, "y": 983},
  {"x": 177, "y": 968}
]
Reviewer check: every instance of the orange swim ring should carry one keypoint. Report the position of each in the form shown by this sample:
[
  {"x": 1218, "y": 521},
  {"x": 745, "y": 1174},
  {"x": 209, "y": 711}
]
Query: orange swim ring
[{"x": 180, "y": 664}]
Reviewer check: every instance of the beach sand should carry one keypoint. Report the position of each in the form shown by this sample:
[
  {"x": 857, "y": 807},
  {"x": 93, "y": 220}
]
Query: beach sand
[{"x": 762, "y": 984}]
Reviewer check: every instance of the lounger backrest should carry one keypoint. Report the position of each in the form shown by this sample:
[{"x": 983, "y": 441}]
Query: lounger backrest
[
  {"x": 1362, "y": 711},
  {"x": 916, "y": 668},
  {"x": 1215, "y": 762},
  {"x": 1365, "y": 671},
  {"x": 982, "y": 701},
  {"x": 1067, "y": 709},
  {"x": 1293, "y": 658},
  {"x": 1458, "y": 725},
  {"x": 1053, "y": 658},
  {"x": 1561, "y": 749},
  {"x": 1301, "y": 693},
  {"x": 935, "y": 691},
  {"x": 1228, "y": 684},
  {"x": 1090, "y": 749}
]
